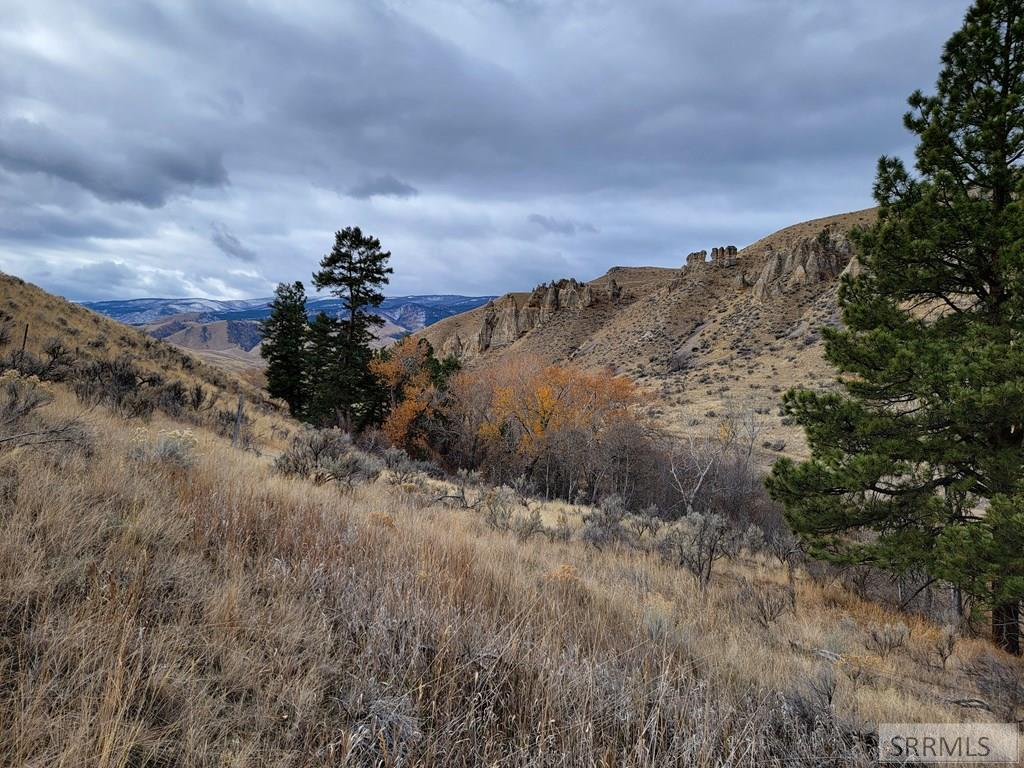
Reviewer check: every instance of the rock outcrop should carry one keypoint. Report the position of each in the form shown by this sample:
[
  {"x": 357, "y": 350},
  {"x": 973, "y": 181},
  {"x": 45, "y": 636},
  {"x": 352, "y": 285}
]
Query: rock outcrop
[
  {"x": 505, "y": 320},
  {"x": 723, "y": 256},
  {"x": 810, "y": 260}
]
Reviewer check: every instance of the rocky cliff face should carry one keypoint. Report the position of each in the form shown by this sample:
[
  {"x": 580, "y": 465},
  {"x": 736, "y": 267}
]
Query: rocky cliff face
[
  {"x": 509, "y": 318},
  {"x": 810, "y": 260}
]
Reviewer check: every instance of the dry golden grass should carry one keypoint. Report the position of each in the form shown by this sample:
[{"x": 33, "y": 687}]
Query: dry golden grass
[{"x": 214, "y": 613}]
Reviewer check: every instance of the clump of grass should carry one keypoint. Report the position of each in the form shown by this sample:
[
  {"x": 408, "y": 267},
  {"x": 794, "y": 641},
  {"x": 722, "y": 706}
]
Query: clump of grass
[{"x": 174, "y": 447}]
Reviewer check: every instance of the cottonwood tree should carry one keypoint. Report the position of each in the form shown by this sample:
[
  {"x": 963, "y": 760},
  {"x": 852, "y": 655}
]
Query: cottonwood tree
[
  {"x": 355, "y": 271},
  {"x": 283, "y": 347},
  {"x": 918, "y": 461},
  {"x": 410, "y": 377}
]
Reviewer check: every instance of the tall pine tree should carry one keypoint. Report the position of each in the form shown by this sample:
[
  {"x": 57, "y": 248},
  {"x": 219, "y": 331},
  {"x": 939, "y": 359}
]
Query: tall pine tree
[
  {"x": 323, "y": 377},
  {"x": 355, "y": 271},
  {"x": 918, "y": 462},
  {"x": 284, "y": 341}
]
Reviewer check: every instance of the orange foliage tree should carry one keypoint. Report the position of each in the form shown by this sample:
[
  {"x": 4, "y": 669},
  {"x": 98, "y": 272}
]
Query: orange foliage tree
[
  {"x": 554, "y": 424},
  {"x": 407, "y": 371}
]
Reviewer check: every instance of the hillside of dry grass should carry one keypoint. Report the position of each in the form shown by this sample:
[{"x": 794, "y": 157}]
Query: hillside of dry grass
[
  {"x": 169, "y": 600},
  {"x": 36, "y": 325}
]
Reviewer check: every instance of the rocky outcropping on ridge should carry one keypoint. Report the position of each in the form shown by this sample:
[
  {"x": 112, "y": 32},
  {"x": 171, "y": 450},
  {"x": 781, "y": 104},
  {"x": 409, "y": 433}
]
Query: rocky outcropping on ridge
[
  {"x": 810, "y": 260},
  {"x": 507, "y": 319}
]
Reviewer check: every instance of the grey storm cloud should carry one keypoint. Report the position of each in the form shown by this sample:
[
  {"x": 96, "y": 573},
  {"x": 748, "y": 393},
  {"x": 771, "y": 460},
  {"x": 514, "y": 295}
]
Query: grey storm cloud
[
  {"x": 147, "y": 172},
  {"x": 478, "y": 139},
  {"x": 382, "y": 186},
  {"x": 229, "y": 244}
]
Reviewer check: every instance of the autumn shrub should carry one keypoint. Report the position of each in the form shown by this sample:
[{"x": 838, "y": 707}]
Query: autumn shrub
[
  {"x": 582, "y": 436},
  {"x": 411, "y": 376}
]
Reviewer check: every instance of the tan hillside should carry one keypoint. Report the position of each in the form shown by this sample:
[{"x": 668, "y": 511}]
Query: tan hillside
[
  {"x": 230, "y": 344},
  {"x": 720, "y": 335},
  {"x": 234, "y": 345},
  {"x": 85, "y": 335}
]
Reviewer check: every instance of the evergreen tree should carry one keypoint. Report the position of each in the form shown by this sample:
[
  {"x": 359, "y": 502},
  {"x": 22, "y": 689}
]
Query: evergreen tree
[
  {"x": 323, "y": 379},
  {"x": 284, "y": 340},
  {"x": 918, "y": 461},
  {"x": 355, "y": 271}
]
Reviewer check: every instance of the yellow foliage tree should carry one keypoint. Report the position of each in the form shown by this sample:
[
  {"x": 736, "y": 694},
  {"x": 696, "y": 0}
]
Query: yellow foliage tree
[{"x": 405, "y": 372}]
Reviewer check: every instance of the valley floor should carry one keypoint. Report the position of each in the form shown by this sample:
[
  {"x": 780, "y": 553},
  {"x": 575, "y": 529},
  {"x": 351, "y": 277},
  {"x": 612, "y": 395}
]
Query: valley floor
[{"x": 200, "y": 610}]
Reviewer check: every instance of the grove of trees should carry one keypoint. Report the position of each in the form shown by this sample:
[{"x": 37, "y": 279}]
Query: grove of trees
[{"x": 322, "y": 368}]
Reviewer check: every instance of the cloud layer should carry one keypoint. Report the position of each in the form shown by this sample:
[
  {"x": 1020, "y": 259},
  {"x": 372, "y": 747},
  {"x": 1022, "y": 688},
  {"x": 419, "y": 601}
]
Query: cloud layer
[{"x": 211, "y": 148}]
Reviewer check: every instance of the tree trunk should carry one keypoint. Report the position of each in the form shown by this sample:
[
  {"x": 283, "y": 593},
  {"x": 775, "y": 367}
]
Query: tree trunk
[{"x": 1006, "y": 627}]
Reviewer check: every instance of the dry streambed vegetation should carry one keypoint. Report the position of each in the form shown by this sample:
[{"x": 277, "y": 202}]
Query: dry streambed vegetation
[{"x": 166, "y": 600}]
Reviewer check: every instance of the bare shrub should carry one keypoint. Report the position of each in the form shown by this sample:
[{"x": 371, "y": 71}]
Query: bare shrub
[
  {"x": 20, "y": 422},
  {"x": 327, "y": 455},
  {"x": 225, "y": 423},
  {"x": 498, "y": 505},
  {"x": 399, "y": 465},
  {"x": 174, "y": 448},
  {"x": 200, "y": 400},
  {"x": 944, "y": 646},
  {"x": 386, "y": 733},
  {"x": 859, "y": 675},
  {"x": 468, "y": 493},
  {"x": 813, "y": 702},
  {"x": 887, "y": 638},
  {"x": 528, "y": 525},
  {"x": 561, "y": 531},
  {"x": 59, "y": 361},
  {"x": 603, "y": 525},
  {"x": 349, "y": 469},
  {"x": 646, "y": 522},
  {"x": 698, "y": 541},
  {"x": 768, "y": 603},
  {"x": 403, "y": 468},
  {"x": 118, "y": 384}
]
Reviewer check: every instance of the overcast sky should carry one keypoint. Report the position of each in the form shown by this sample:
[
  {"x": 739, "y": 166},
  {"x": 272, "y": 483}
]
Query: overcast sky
[{"x": 211, "y": 148}]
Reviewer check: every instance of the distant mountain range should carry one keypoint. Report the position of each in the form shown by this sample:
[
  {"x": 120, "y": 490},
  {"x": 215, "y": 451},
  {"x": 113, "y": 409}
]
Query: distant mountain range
[
  {"x": 228, "y": 332},
  {"x": 410, "y": 312}
]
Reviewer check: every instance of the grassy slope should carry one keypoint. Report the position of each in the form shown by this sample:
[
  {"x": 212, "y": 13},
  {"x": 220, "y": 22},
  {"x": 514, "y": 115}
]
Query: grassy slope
[
  {"x": 220, "y": 614},
  {"x": 223, "y": 615},
  {"x": 91, "y": 336}
]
